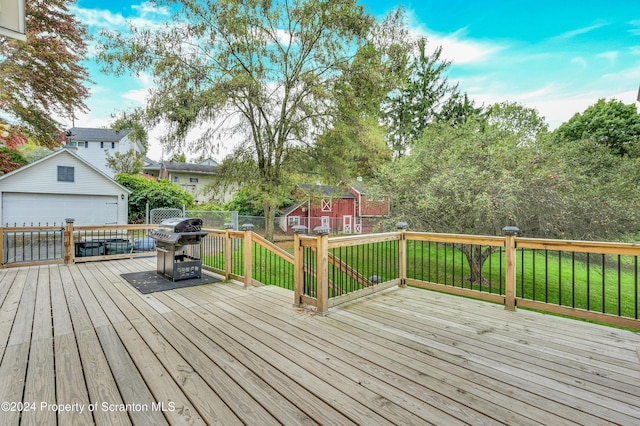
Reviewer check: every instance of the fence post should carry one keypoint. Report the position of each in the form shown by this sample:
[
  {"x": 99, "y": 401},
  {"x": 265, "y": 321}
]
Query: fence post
[
  {"x": 510, "y": 233},
  {"x": 322, "y": 269},
  {"x": 402, "y": 254},
  {"x": 248, "y": 254},
  {"x": 68, "y": 241},
  {"x": 228, "y": 246},
  {"x": 298, "y": 265}
]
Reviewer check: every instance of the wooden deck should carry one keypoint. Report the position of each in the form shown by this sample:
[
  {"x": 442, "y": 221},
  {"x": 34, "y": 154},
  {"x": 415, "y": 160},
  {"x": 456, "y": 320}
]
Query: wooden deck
[{"x": 79, "y": 338}]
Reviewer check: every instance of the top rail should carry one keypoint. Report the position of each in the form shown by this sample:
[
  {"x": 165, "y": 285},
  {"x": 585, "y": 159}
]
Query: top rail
[{"x": 625, "y": 249}]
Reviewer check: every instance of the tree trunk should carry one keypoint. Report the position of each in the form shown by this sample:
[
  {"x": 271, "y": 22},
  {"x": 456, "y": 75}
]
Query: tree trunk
[
  {"x": 269, "y": 220},
  {"x": 476, "y": 257}
]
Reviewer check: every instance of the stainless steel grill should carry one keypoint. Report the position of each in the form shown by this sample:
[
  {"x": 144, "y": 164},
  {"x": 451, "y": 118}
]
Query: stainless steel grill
[{"x": 178, "y": 245}]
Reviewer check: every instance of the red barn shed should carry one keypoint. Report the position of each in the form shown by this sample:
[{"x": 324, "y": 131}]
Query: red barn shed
[{"x": 343, "y": 208}]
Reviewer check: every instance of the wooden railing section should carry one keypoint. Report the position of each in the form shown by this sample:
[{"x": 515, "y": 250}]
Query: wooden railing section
[{"x": 590, "y": 280}]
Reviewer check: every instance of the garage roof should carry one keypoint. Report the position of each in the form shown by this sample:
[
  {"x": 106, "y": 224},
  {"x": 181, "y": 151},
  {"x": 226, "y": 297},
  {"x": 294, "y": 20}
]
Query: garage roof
[{"x": 61, "y": 151}]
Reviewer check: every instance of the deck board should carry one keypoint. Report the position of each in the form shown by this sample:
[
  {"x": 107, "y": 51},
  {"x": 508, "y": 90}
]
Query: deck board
[{"x": 222, "y": 354}]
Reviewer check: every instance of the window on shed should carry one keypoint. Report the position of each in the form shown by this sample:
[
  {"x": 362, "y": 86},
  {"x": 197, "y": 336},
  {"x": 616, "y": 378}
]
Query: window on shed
[
  {"x": 66, "y": 174},
  {"x": 294, "y": 220},
  {"x": 193, "y": 180},
  {"x": 326, "y": 204}
]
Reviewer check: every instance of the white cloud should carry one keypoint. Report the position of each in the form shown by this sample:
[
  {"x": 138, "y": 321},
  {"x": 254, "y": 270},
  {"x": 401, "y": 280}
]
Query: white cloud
[
  {"x": 579, "y": 31},
  {"x": 147, "y": 9},
  {"x": 137, "y": 95},
  {"x": 460, "y": 50},
  {"x": 610, "y": 55},
  {"x": 580, "y": 61}
]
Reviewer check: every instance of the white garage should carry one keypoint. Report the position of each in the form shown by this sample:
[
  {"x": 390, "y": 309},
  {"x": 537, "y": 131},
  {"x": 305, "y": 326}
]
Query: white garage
[
  {"x": 59, "y": 186},
  {"x": 20, "y": 209}
]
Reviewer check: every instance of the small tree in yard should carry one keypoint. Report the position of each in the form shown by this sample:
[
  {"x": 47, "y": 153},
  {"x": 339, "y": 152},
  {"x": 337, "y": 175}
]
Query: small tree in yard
[{"x": 158, "y": 194}]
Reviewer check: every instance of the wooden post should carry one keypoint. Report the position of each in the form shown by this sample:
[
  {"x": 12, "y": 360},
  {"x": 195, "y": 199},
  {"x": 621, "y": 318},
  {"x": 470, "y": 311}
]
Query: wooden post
[
  {"x": 69, "y": 246},
  {"x": 510, "y": 233},
  {"x": 248, "y": 254},
  {"x": 322, "y": 269},
  {"x": 402, "y": 254},
  {"x": 298, "y": 265},
  {"x": 228, "y": 247}
]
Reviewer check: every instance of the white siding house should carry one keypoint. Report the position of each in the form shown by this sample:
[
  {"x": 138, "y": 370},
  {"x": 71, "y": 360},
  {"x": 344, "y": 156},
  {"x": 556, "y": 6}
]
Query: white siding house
[
  {"x": 95, "y": 144},
  {"x": 59, "y": 186}
]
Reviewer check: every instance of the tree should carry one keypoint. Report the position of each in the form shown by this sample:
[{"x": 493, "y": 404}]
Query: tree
[
  {"x": 356, "y": 145},
  {"x": 133, "y": 123},
  {"x": 610, "y": 123},
  {"x": 421, "y": 100},
  {"x": 263, "y": 70},
  {"x": 10, "y": 160},
  {"x": 178, "y": 158},
  {"x": 129, "y": 163},
  {"x": 475, "y": 179},
  {"x": 158, "y": 194},
  {"x": 43, "y": 77}
]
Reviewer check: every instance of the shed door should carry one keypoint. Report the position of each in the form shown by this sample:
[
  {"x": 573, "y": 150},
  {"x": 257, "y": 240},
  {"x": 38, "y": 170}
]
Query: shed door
[{"x": 53, "y": 209}]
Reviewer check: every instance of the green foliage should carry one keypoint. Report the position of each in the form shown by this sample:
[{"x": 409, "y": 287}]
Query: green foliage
[
  {"x": 159, "y": 194},
  {"x": 248, "y": 202},
  {"x": 33, "y": 152},
  {"x": 605, "y": 197},
  {"x": 178, "y": 158},
  {"x": 134, "y": 123},
  {"x": 130, "y": 163},
  {"x": 610, "y": 123},
  {"x": 475, "y": 179},
  {"x": 44, "y": 78},
  {"x": 421, "y": 99},
  {"x": 503, "y": 169},
  {"x": 10, "y": 160},
  {"x": 269, "y": 67}
]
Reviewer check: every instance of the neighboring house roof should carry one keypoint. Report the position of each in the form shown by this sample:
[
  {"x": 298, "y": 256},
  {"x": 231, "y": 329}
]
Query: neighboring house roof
[
  {"x": 189, "y": 168},
  {"x": 91, "y": 134},
  {"x": 209, "y": 162},
  {"x": 326, "y": 191},
  {"x": 60, "y": 152},
  {"x": 150, "y": 164}
]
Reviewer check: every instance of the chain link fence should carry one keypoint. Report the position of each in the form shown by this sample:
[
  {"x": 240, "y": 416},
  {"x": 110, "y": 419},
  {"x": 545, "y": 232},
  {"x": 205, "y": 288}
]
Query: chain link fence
[{"x": 210, "y": 219}]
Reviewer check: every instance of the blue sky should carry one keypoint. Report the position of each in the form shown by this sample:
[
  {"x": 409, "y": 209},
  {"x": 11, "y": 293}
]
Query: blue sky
[{"x": 558, "y": 57}]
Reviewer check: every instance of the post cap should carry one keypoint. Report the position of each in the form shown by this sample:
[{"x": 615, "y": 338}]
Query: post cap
[
  {"x": 402, "y": 225},
  {"x": 510, "y": 230},
  {"x": 247, "y": 226},
  {"x": 321, "y": 230},
  {"x": 228, "y": 225},
  {"x": 299, "y": 229},
  {"x": 69, "y": 220}
]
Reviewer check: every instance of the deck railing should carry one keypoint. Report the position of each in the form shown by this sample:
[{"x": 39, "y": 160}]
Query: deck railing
[
  {"x": 590, "y": 280},
  {"x": 24, "y": 246}
]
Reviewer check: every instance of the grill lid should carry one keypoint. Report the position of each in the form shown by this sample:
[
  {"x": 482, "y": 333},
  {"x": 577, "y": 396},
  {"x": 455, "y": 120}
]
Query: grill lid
[
  {"x": 181, "y": 224},
  {"x": 178, "y": 230}
]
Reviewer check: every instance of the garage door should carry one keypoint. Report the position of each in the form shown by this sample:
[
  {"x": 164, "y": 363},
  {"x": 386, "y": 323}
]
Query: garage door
[{"x": 53, "y": 209}]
